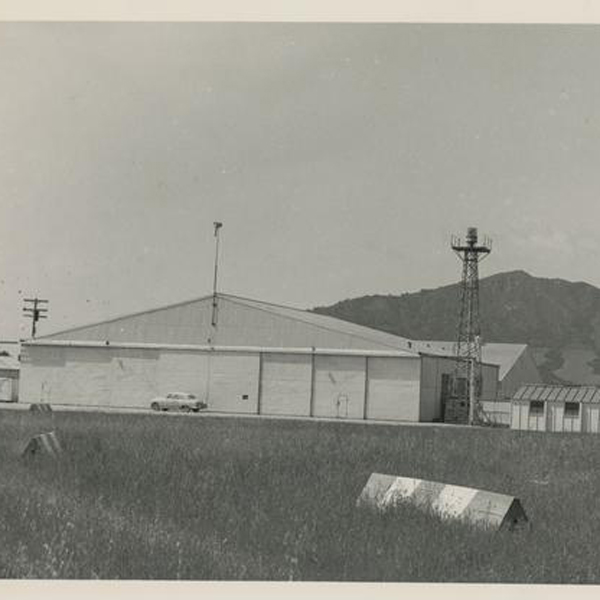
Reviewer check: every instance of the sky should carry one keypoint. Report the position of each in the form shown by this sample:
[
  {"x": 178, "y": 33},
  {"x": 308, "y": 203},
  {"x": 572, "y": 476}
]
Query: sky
[{"x": 339, "y": 157}]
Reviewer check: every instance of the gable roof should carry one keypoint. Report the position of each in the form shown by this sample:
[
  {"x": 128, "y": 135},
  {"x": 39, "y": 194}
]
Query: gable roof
[
  {"x": 375, "y": 338},
  {"x": 503, "y": 355},
  {"x": 387, "y": 340}
]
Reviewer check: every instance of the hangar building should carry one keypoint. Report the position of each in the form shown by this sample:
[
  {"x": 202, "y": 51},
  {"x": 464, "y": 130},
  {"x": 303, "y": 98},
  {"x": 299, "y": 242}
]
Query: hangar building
[{"x": 261, "y": 359}]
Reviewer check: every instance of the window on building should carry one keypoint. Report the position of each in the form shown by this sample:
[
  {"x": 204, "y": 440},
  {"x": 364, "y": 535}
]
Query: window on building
[
  {"x": 536, "y": 407},
  {"x": 571, "y": 409}
]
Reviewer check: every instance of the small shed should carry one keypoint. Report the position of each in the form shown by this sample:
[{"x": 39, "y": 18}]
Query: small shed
[
  {"x": 9, "y": 379},
  {"x": 543, "y": 407}
]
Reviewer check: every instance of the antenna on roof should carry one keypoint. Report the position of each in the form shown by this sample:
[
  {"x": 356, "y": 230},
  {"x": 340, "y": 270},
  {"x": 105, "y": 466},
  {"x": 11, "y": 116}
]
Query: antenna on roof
[{"x": 213, "y": 319}]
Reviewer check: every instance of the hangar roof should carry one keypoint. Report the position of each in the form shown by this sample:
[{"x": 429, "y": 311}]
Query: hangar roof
[
  {"x": 189, "y": 323},
  {"x": 323, "y": 321},
  {"x": 137, "y": 327}
]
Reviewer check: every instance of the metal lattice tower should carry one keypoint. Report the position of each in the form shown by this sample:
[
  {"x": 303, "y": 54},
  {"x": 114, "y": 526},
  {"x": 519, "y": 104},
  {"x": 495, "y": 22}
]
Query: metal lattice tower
[{"x": 464, "y": 404}]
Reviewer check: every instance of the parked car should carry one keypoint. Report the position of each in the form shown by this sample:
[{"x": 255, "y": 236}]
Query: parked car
[{"x": 181, "y": 401}]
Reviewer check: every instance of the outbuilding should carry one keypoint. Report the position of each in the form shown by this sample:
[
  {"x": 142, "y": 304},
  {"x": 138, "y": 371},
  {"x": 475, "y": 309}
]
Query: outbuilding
[
  {"x": 9, "y": 379},
  {"x": 556, "y": 408}
]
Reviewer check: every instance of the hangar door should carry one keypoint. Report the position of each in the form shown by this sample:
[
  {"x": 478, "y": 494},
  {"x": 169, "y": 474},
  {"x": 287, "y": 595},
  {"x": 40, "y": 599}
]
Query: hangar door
[
  {"x": 339, "y": 387},
  {"x": 286, "y": 384},
  {"x": 183, "y": 372},
  {"x": 133, "y": 377},
  {"x": 86, "y": 377},
  {"x": 233, "y": 382},
  {"x": 393, "y": 389}
]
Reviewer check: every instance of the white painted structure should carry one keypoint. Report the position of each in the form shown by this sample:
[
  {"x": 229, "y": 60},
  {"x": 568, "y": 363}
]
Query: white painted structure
[
  {"x": 334, "y": 383},
  {"x": 264, "y": 359},
  {"x": 452, "y": 502},
  {"x": 9, "y": 379},
  {"x": 556, "y": 408}
]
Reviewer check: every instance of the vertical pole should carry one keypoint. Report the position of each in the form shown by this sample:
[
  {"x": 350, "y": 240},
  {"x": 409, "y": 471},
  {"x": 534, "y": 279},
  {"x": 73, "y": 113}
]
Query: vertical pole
[
  {"x": 34, "y": 317},
  {"x": 311, "y": 408},
  {"x": 472, "y": 398},
  {"x": 213, "y": 319},
  {"x": 366, "y": 398},
  {"x": 260, "y": 376}
]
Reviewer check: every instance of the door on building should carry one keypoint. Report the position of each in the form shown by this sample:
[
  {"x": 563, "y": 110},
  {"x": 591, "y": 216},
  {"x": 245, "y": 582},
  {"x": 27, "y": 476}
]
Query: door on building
[
  {"x": 592, "y": 418},
  {"x": 554, "y": 417},
  {"x": 342, "y": 406},
  {"x": 339, "y": 386},
  {"x": 446, "y": 390}
]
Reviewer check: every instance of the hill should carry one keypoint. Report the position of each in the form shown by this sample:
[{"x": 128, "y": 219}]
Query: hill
[{"x": 559, "y": 319}]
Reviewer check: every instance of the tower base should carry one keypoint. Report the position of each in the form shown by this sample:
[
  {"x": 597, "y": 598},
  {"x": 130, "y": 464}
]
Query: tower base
[{"x": 456, "y": 411}]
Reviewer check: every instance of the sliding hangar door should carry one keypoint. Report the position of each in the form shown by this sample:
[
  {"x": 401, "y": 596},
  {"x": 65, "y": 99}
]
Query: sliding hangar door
[
  {"x": 340, "y": 386},
  {"x": 305, "y": 384}
]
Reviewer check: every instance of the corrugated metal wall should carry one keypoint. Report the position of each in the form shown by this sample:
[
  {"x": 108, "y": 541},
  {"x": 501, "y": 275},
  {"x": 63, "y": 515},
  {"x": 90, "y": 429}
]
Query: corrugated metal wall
[{"x": 433, "y": 368}]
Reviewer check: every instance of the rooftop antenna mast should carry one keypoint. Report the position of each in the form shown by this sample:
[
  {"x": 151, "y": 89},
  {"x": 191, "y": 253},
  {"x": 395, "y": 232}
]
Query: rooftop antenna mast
[
  {"x": 464, "y": 405},
  {"x": 214, "y": 315}
]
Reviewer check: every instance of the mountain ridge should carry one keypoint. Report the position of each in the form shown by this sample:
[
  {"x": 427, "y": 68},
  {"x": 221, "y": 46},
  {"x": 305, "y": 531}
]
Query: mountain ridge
[{"x": 559, "y": 319}]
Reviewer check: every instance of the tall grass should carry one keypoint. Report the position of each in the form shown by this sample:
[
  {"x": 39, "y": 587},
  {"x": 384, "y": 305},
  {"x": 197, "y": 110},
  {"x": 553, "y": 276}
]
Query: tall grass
[{"x": 145, "y": 497}]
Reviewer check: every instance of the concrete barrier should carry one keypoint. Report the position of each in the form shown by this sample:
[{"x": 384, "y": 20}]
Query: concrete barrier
[
  {"x": 40, "y": 408},
  {"x": 479, "y": 507},
  {"x": 45, "y": 444}
]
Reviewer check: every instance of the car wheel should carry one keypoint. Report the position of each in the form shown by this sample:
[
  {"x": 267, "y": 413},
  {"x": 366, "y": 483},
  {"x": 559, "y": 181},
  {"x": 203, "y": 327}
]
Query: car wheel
[{"x": 154, "y": 406}]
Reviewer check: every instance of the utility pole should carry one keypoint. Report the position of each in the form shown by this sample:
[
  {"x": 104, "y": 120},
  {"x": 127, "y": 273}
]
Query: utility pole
[
  {"x": 464, "y": 405},
  {"x": 35, "y": 310},
  {"x": 214, "y": 316}
]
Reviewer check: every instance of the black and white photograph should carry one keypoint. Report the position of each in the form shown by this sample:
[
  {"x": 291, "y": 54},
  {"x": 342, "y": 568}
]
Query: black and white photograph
[{"x": 300, "y": 302}]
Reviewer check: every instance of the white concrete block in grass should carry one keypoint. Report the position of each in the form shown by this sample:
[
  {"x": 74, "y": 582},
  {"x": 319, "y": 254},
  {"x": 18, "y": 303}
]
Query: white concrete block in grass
[{"x": 479, "y": 507}]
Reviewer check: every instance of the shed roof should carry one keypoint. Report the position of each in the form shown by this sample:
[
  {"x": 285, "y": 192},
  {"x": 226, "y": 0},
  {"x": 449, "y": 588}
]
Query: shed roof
[{"x": 558, "y": 393}]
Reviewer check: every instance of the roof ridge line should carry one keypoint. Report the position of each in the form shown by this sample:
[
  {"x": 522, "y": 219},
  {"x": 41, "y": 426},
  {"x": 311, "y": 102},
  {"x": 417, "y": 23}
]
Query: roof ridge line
[
  {"x": 317, "y": 314},
  {"x": 318, "y": 326}
]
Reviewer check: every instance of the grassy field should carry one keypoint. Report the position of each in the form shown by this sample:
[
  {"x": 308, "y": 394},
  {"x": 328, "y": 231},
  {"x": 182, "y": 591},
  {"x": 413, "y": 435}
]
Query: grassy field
[{"x": 158, "y": 497}]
